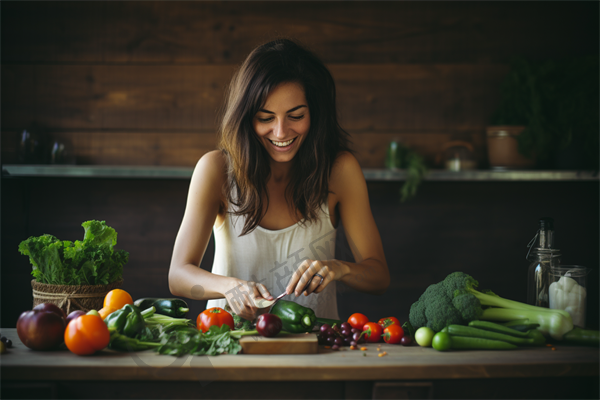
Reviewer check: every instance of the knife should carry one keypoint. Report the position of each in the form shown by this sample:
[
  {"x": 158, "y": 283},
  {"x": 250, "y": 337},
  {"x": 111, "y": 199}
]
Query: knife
[{"x": 263, "y": 303}]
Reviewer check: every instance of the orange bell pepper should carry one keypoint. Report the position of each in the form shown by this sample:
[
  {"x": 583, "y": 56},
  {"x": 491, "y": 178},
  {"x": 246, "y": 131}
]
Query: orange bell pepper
[
  {"x": 113, "y": 301},
  {"x": 86, "y": 335}
]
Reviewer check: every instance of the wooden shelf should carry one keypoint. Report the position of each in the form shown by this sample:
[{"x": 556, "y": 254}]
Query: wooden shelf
[{"x": 152, "y": 172}]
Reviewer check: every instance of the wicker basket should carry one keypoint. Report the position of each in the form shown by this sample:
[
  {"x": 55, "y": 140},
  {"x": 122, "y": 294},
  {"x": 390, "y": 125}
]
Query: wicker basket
[{"x": 72, "y": 297}]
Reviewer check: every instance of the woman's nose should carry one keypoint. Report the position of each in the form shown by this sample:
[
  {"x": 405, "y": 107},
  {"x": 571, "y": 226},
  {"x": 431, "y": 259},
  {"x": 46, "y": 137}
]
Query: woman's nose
[{"x": 279, "y": 129}]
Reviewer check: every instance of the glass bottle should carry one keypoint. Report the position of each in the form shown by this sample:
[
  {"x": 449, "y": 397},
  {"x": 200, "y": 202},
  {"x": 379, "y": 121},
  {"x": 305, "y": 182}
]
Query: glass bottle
[{"x": 542, "y": 257}]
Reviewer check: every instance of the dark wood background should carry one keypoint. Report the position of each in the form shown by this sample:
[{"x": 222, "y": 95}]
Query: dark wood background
[{"x": 141, "y": 83}]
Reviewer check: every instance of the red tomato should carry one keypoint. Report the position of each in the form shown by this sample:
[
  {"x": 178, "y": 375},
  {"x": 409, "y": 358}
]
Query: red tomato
[
  {"x": 393, "y": 334},
  {"x": 86, "y": 335},
  {"x": 373, "y": 332},
  {"x": 385, "y": 322},
  {"x": 358, "y": 320},
  {"x": 213, "y": 316}
]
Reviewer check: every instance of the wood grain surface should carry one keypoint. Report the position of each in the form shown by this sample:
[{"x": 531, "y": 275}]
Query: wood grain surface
[
  {"x": 405, "y": 363},
  {"x": 224, "y": 32},
  {"x": 283, "y": 344}
]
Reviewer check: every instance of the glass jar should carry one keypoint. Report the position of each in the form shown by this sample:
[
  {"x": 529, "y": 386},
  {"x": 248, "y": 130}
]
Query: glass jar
[{"x": 459, "y": 156}]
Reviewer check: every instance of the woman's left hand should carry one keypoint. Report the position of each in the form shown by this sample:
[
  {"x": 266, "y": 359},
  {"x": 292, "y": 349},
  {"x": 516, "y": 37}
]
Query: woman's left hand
[{"x": 329, "y": 271}]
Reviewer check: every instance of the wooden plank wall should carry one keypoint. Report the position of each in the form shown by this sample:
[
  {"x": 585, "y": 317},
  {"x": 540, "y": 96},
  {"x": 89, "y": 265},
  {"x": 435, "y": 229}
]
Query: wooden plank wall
[{"x": 141, "y": 83}]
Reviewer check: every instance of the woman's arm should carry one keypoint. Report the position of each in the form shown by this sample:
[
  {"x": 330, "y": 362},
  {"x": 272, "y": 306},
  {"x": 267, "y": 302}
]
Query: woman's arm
[
  {"x": 370, "y": 272},
  {"x": 186, "y": 278}
]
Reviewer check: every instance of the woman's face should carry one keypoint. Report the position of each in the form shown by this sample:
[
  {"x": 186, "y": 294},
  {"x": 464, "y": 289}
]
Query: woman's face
[{"x": 283, "y": 122}]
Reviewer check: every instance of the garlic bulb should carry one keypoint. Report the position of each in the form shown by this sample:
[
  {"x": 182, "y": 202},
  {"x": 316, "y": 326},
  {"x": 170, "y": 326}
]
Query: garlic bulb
[{"x": 566, "y": 294}]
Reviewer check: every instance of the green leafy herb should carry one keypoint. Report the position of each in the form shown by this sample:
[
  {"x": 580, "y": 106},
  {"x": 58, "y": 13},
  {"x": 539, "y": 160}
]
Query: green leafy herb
[
  {"x": 239, "y": 323},
  {"x": 189, "y": 340},
  {"x": 93, "y": 261}
]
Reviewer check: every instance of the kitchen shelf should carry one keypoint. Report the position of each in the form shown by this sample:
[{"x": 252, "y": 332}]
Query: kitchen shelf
[{"x": 152, "y": 172}]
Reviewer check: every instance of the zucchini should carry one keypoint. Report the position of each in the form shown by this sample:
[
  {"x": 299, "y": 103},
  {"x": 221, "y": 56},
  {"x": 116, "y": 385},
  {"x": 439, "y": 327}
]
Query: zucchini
[
  {"x": 491, "y": 326},
  {"x": 176, "y": 308},
  {"x": 475, "y": 343},
  {"x": 467, "y": 331},
  {"x": 585, "y": 337},
  {"x": 522, "y": 325}
]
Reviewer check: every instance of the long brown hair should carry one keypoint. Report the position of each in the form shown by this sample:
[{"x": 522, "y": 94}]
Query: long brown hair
[{"x": 266, "y": 67}]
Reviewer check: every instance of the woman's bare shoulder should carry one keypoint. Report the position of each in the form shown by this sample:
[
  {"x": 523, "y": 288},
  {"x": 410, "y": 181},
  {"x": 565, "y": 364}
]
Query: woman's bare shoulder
[
  {"x": 345, "y": 167},
  {"x": 212, "y": 166}
]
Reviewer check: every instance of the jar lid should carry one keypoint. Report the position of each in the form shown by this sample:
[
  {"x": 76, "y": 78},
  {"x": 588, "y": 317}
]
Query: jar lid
[{"x": 504, "y": 131}]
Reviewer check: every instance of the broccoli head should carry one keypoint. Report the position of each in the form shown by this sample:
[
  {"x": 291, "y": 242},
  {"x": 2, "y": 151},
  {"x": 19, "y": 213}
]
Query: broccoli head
[{"x": 445, "y": 303}]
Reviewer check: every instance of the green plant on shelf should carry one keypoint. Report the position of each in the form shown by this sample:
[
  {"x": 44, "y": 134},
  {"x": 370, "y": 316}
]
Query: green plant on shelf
[
  {"x": 558, "y": 103},
  {"x": 400, "y": 156}
]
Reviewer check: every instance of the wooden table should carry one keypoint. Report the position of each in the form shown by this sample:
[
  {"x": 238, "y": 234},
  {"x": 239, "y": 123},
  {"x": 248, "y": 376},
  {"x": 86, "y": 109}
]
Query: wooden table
[{"x": 405, "y": 372}]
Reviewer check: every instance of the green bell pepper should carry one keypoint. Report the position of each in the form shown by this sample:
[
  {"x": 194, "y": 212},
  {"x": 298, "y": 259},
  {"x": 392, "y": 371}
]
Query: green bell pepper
[
  {"x": 296, "y": 318},
  {"x": 127, "y": 321}
]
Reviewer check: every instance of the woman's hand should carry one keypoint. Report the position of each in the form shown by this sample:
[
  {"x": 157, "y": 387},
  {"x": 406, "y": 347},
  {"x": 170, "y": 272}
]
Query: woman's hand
[
  {"x": 329, "y": 270},
  {"x": 241, "y": 298}
]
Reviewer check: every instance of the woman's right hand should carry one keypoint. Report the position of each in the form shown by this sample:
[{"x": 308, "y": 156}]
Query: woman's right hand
[{"x": 241, "y": 298}]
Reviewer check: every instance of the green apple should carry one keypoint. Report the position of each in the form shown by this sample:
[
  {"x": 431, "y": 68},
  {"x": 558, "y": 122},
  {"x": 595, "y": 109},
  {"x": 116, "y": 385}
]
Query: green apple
[{"x": 424, "y": 336}]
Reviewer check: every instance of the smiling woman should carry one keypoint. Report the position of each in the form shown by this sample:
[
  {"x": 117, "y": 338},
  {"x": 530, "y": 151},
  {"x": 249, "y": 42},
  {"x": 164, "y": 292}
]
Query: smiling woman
[{"x": 274, "y": 192}]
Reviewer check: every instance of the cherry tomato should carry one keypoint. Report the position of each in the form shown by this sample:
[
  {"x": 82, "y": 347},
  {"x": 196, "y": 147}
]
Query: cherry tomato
[
  {"x": 358, "y": 320},
  {"x": 373, "y": 332},
  {"x": 385, "y": 322},
  {"x": 86, "y": 335},
  {"x": 213, "y": 316},
  {"x": 393, "y": 334}
]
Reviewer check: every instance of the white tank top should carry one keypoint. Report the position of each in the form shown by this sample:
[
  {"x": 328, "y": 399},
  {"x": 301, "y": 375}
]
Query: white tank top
[{"x": 271, "y": 257}]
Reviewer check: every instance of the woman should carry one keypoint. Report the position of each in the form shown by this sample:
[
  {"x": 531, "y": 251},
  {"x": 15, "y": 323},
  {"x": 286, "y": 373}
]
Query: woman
[{"x": 282, "y": 180}]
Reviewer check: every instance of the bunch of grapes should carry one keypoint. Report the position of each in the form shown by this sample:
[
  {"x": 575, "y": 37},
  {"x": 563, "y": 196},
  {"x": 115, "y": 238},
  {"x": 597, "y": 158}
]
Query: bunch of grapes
[{"x": 337, "y": 336}]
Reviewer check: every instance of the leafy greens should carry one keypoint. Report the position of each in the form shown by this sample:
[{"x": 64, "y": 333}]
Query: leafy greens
[
  {"x": 189, "y": 340},
  {"x": 93, "y": 261}
]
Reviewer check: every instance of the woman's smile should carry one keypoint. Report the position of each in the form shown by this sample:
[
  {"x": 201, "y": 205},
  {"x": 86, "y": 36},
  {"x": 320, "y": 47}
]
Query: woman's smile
[{"x": 283, "y": 146}]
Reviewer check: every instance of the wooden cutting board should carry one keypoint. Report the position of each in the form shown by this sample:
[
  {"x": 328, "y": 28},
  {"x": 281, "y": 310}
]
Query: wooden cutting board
[{"x": 286, "y": 344}]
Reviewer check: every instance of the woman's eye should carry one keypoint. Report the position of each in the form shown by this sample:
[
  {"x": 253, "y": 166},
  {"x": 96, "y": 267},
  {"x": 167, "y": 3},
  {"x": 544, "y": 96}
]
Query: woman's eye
[
  {"x": 265, "y": 119},
  {"x": 297, "y": 117}
]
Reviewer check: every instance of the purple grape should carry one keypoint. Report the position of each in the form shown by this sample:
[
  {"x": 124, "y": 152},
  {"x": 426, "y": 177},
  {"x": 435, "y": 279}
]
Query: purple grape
[
  {"x": 335, "y": 347},
  {"x": 337, "y": 328},
  {"x": 347, "y": 333},
  {"x": 331, "y": 332},
  {"x": 354, "y": 330},
  {"x": 406, "y": 340},
  {"x": 324, "y": 328},
  {"x": 345, "y": 326},
  {"x": 353, "y": 343},
  {"x": 347, "y": 341},
  {"x": 330, "y": 340},
  {"x": 339, "y": 341}
]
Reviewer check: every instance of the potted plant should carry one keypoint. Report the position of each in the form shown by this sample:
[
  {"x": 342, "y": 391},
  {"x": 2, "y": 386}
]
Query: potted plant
[
  {"x": 400, "y": 156},
  {"x": 556, "y": 106}
]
